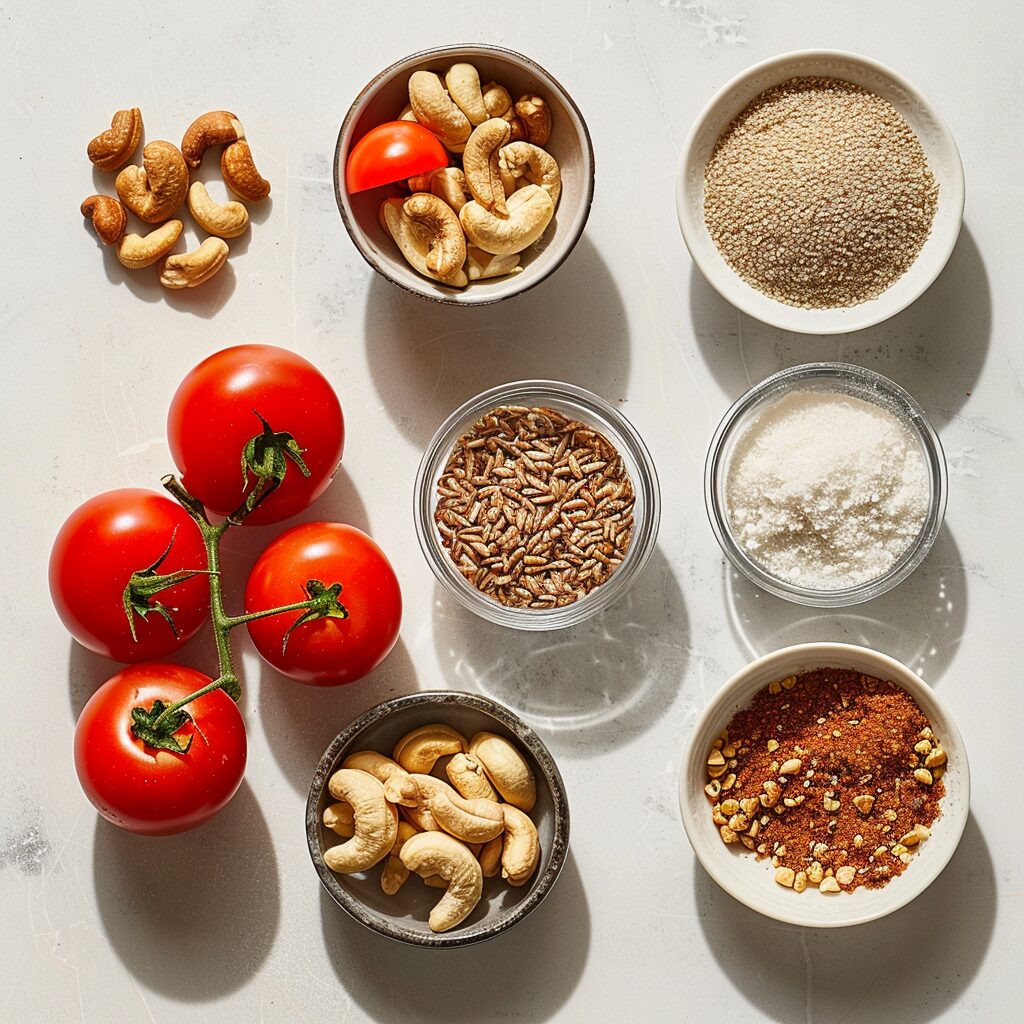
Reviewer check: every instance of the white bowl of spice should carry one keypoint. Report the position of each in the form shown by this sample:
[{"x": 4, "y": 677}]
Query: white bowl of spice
[
  {"x": 537, "y": 504},
  {"x": 825, "y": 785},
  {"x": 825, "y": 484},
  {"x": 820, "y": 192}
]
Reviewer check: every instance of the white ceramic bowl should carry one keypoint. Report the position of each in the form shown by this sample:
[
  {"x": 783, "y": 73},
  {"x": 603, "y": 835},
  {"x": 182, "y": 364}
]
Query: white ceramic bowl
[
  {"x": 749, "y": 880},
  {"x": 939, "y": 147},
  {"x": 382, "y": 100}
]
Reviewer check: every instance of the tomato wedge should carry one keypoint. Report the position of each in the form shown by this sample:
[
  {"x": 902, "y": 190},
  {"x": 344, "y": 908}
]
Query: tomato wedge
[{"x": 392, "y": 152}]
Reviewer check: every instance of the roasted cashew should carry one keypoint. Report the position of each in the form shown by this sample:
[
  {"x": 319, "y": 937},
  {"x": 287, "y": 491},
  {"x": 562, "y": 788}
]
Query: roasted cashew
[
  {"x": 463, "y": 81},
  {"x": 530, "y": 211},
  {"x": 435, "y": 882},
  {"x": 497, "y": 99},
  {"x": 395, "y": 873},
  {"x": 191, "y": 269},
  {"x": 374, "y": 819},
  {"x": 410, "y": 241},
  {"x": 520, "y": 160},
  {"x": 436, "y": 111},
  {"x": 434, "y": 853},
  {"x": 480, "y": 163},
  {"x": 468, "y": 778},
  {"x": 406, "y": 114},
  {"x": 420, "y": 818},
  {"x": 114, "y": 147},
  {"x": 339, "y": 817},
  {"x": 108, "y": 217},
  {"x": 154, "y": 191},
  {"x": 417, "y": 751},
  {"x": 138, "y": 251},
  {"x": 240, "y": 174},
  {"x": 506, "y": 768},
  {"x": 399, "y": 787},
  {"x": 217, "y": 128},
  {"x": 520, "y": 853},
  {"x": 490, "y": 856},
  {"x": 472, "y": 821},
  {"x": 449, "y": 184},
  {"x": 535, "y": 115},
  {"x": 480, "y": 264},
  {"x": 437, "y": 222},
  {"x": 226, "y": 220}
]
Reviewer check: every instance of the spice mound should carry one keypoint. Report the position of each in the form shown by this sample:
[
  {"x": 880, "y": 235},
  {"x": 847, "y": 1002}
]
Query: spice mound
[
  {"x": 835, "y": 775},
  {"x": 535, "y": 508},
  {"x": 825, "y": 490},
  {"x": 819, "y": 194}
]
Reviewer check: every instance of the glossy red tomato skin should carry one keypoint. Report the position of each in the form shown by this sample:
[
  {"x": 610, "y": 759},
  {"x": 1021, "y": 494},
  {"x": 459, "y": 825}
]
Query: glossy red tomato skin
[
  {"x": 392, "y": 152},
  {"x": 158, "y": 792},
  {"x": 211, "y": 419},
  {"x": 93, "y": 557},
  {"x": 331, "y": 651}
]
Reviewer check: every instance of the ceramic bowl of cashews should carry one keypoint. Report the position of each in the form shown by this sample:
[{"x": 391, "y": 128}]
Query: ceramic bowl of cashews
[
  {"x": 156, "y": 192},
  {"x": 506, "y": 200},
  {"x": 438, "y": 819}
]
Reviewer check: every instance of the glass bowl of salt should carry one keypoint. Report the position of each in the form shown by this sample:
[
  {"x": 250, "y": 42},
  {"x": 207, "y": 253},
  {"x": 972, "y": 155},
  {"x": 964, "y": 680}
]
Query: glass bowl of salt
[{"x": 825, "y": 484}]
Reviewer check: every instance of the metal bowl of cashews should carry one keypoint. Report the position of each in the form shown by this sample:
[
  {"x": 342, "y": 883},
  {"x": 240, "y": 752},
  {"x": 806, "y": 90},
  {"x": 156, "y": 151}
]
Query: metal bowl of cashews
[
  {"x": 438, "y": 819},
  {"x": 529, "y": 212}
]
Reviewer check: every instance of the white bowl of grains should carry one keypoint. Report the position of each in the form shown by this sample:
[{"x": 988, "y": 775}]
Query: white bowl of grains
[
  {"x": 796, "y": 802},
  {"x": 537, "y": 504},
  {"x": 825, "y": 484},
  {"x": 820, "y": 192}
]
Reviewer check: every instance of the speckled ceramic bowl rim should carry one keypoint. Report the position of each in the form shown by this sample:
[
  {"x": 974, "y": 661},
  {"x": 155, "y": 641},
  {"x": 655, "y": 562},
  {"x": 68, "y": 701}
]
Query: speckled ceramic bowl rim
[
  {"x": 528, "y": 280},
  {"x": 545, "y": 762}
]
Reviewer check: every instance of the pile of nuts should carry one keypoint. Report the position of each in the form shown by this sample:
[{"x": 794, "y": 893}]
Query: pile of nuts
[
  {"x": 155, "y": 191},
  {"x": 393, "y": 809},
  {"x": 471, "y": 222}
]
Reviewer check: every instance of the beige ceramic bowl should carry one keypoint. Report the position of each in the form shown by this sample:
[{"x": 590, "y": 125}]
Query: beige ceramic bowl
[{"x": 383, "y": 99}]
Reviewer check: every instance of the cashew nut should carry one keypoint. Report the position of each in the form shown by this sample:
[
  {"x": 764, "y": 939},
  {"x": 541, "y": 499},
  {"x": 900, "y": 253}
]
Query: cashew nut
[
  {"x": 138, "y": 251},
  {"x": 399, "y": 786},
  {"x": 520, "y": 853},
  {"x": 406, "y": 114},
  {"x": 480, "y": 264},
  {"x": 530, "y": 211},
  {"x": 449, "y": 184},
  {"x": 395, "y": 873},
  {"x": 191, "y": 269},
  {"x": 439, "y": 224},
  {"x": 417, "y": 751},
  {"x": 497, "y": 99},
  {"x": 435, "y": 110},
  {"x": 435, "y": 882},
  {"x": 490, "y": 856},
  {"x": 419, "y": 817},
  {"x": 374, "y": 821},
  {"x": 535, "y": 115},
  {"x": 338, "y": 817},
  {"x": 467, "y": 776},
  {"x": 463, "y": 81},
  {"x": 472, "y": 821},
  {"x": 413, "y": 245},
  {"x": 521, "y": 160},
  {"x": 506, "y": 768},
  {"x": 226, "y": 220},
  {"x": 240, "y": 174},
  {"x": 480, "y": 163},
  {"x": 108, "y": 217},
  {"x": 434, "y": 853},
  {"x": 114, "y": 147},
  {"x": 154, "y": 191},
  {"x": 217, "y": 128}
]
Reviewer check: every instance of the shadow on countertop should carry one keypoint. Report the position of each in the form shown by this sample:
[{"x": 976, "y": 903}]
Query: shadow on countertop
[
  {"x": 526, "y": 973},
  {"x": 910, "y": 966},
  {"x": 172, "y": 912},
  {"x": 426, "y": 358},
  {"x": 935, "y": 348}
]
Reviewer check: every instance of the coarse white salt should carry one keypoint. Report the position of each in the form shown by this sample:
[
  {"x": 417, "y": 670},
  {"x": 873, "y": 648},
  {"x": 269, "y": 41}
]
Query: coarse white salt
[{"x": 825, "y": 490}]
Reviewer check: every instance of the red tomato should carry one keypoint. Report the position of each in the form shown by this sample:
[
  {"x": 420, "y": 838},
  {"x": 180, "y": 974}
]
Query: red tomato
[
  {"x": 157, "y": 792},
  {"x": 392, "y": 152},
  {"x": 327, "y": 651},
  {"x": 213, "y": 415},
  {"x": 93, "y": 558}
]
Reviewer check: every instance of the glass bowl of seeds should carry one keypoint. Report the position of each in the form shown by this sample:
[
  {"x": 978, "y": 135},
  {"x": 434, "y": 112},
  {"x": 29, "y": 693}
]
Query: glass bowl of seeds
[
  {"x": 536, "y": 504},
  {"x": 820, "y": 192},
  {"x": 825, "y": 785}
]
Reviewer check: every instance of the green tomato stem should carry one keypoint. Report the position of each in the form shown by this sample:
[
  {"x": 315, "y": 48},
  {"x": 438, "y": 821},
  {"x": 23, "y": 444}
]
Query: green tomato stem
[
  {"x": 216, "y": 684},
  {"x": 237, "y": 620}
]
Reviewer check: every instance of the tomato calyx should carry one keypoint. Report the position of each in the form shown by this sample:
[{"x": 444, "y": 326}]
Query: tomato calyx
[
  {"x": 156, "y": 727},
  {"x": 266, "y": 456},
  {"x": 323, "y": 604}
]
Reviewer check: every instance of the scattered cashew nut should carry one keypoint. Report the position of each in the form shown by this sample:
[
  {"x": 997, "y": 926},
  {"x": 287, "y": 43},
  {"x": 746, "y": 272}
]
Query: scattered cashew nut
[
  {"x": 463, "y": 81},
  {"x": 374, "y": 821},
  {"x": 434, "y": 853},
  {"x": 154, "y": 191},
  {"x": 520, "y": 160},
  {"x": 227, "y": 220},
  {"x": 191, "y": 269},
  {"x": 467, "y": 776},
  {"x": 480, "y": 164},
  {"x": 436, "y": 111},
  {"x": 138, "y": 251},
  {"x": 217, "y": 128},
  {"x": 108, "y": 217},
  {"x": 535, "y": 115},
  {"x": 114, "y": 147},
  {"x": 520, "y": 852},
  {"x": 472, "y": 821},
  {"x": 240, "y": 174},
  {"x": 417, "y": 751},
  {"x": 399, "y": 786},
  {"x": 530, "y": 211},
  {"x": 506, "y": 768}
]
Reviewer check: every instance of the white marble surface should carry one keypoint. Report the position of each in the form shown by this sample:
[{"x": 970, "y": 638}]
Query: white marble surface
[{"x": 228, "y": 923}]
